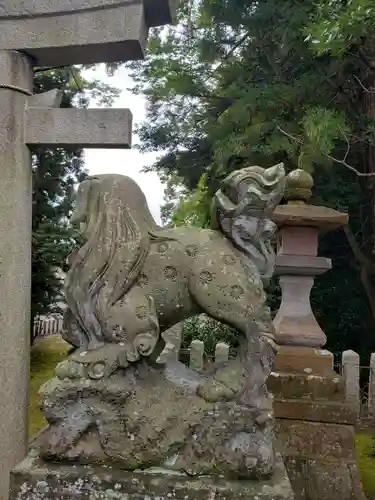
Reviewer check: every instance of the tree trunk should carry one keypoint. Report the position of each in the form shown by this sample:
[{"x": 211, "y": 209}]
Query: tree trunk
[{"x": 367, "y": 184}]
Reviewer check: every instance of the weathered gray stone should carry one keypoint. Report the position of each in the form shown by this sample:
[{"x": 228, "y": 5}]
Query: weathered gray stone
[
  {"x": 197, "y": 355},
  {"x": 173, "y": 339},
  {"x": 332, "y": 412},
  {"x": 50, "y": 99},
  {"x": 295, "y": 321},
  {"x": 62, "y": 32},
  {"x": 185, "y": 270},
  {"x": 15, "y": 263},
  {"x": 158, "y": 12},
  {"x": 153, "y": 416},
  {"x": 86, "y": 128},
  {"x": 37, "y": 480},
  {"x": 315, "y": 426},
  {"x": 221, "y": 352},
  {"x": 319, "y": 479},
  {"x": 320, "y": 460},
  {"x": 350, "y": 365},
  {"x": 305, "y": 385},
  {"x": 128, "y": 283}
]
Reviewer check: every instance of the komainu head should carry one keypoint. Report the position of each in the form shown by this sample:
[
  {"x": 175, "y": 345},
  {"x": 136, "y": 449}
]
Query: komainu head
[{"x": 241, "y": 210}]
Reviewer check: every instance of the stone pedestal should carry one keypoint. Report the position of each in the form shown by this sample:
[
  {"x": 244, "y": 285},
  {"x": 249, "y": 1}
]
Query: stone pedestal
[
  {"x": 315, "y": 426},
  {"x": 36, "y": 480},
  {"x": 305, "y": 360}
]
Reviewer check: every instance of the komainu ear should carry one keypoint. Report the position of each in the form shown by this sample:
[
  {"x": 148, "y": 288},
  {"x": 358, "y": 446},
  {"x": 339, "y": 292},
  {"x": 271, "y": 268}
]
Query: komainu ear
[{"x": 222, "y": 207}]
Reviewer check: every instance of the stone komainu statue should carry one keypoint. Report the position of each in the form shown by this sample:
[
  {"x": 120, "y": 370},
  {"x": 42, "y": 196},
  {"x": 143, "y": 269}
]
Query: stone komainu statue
[{"x": 118, "y": 397}]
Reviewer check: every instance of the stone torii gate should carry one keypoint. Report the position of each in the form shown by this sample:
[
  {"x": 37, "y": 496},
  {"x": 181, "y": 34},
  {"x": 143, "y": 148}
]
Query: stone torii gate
[{"x": 48, "y": 33}]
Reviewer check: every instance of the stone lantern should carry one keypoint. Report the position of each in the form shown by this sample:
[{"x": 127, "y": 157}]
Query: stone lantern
[
  {"x": 314, "y": 419},
  {"x": 297, "y": 264}
]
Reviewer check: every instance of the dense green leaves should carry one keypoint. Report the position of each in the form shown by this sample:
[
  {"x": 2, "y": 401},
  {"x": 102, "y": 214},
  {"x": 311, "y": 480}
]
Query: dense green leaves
[{"x": 338, "y": 24}]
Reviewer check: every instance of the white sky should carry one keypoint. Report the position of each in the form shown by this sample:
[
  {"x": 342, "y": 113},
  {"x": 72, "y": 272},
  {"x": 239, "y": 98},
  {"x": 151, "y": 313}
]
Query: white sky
[{"x": 127, "y": 162}]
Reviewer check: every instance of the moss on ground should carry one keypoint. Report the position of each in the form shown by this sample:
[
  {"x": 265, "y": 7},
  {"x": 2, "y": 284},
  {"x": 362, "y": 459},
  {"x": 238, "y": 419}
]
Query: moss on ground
[
  {"x": 45, "y": 354},
  {"x": 366, "y": 462}
]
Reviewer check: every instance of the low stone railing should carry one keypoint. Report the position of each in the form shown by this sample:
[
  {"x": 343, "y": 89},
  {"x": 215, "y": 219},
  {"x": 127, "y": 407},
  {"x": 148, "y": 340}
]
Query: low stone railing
[
  {"x": 359, "y": 380},
  {"x": 49, "y": 325},
  {"x": 198, "y": 359}
]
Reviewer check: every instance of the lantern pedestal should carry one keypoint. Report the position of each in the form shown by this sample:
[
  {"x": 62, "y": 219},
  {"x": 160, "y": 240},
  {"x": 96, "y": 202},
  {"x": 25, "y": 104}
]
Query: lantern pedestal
[{"x": 315, "y": 423}]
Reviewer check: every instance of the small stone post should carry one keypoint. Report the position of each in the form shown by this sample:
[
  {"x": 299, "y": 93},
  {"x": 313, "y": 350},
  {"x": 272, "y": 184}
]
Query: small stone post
[
  {"x": 371, "y": 387},
  {"x": 196, "y": 355},
  {"x": 350, "y": 365},
  {"x": 221, "y": 352}
]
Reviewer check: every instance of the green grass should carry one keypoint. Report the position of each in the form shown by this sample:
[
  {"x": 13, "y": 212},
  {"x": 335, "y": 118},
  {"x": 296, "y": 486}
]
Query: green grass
[
  {"x": 45, "y": 354},
  {"x": 366, "y": 463}
]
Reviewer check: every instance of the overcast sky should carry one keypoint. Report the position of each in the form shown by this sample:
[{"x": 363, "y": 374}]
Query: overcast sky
[{"x": 127, "y": 162}]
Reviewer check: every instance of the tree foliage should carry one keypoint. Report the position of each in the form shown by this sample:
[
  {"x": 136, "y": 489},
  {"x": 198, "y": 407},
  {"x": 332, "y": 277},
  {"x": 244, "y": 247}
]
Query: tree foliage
[
  {"x": 55, "y": 174},
  {"x": 246, "y": 82}
]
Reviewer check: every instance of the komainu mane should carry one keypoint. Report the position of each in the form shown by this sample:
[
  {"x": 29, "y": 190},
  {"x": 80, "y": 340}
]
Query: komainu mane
[{"x": 129, "y": 282}]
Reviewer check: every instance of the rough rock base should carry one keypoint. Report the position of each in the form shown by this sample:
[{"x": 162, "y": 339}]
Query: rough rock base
[{"x": 37, "y": 480}]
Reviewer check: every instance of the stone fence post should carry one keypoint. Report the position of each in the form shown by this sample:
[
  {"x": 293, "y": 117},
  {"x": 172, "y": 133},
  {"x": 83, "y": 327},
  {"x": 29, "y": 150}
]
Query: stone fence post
[
  {"x": 197, "y": 354},
  {"x": 371, "y": 387},
  {"x": 221, "y": 353},
  {"x": 350, "y": 367}
]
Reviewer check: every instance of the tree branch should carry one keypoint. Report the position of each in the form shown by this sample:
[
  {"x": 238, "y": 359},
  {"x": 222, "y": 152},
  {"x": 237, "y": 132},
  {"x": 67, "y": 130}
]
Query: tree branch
[
  {"x": 347, "y": 145},
  {"x": 365, "y": 89},
  {"x": 295, "y": 139},
  {"x": 358, "y": 254},
  {"x": 367, "y": 268},
  {"x": 366, "y": 282},
  {"x": 330, "y": 157},
  {"x": 364, "y": 57}
]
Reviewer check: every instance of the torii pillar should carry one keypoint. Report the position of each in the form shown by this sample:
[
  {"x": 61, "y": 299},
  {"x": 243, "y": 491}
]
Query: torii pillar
[{"x": 48, "y": 33}]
